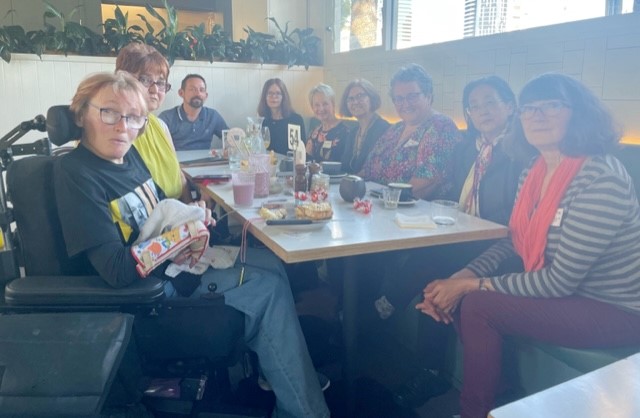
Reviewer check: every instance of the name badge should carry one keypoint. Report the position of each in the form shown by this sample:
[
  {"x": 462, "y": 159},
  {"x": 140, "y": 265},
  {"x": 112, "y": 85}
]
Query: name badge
[
  {"x": 326, "y": 144},
  {"x": 557, "y": 219}
]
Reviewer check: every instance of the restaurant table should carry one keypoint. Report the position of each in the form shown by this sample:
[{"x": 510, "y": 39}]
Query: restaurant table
[
  {"x": 348, "y": 234},
  {"x": 611, "y": 391}
]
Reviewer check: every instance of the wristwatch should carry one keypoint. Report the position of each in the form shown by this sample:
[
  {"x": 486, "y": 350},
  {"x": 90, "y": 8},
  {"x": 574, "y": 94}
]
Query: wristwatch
[{"x": 482, "y": 285}]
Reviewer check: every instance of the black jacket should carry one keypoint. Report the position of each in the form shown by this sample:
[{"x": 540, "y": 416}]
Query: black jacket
[
  {"x": 354, "y": 165},
  {"x": 498, "y": 185}
]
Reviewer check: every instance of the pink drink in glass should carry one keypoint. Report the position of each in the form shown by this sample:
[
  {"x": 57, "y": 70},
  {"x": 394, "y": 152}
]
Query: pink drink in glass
[{"x": 243, "y": 188}]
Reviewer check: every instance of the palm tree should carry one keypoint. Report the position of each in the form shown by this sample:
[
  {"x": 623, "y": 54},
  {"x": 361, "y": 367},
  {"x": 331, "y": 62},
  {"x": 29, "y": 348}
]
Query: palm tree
[{"x": 364, "y": 22}]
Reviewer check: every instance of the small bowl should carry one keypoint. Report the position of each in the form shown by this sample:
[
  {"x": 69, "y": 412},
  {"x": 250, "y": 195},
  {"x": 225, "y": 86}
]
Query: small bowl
[
  {"x": 406, "y": 193},
  {"x": 331, "y": 167}
]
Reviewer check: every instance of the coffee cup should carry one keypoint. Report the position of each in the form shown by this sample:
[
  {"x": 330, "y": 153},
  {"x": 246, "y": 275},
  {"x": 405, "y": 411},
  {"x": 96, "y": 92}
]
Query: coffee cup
[
  {"x": 406, "y": 190},
  {"x": 332, "y": 168}
]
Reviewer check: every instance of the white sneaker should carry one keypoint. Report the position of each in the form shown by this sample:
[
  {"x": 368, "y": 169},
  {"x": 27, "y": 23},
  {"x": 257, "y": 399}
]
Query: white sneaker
[{"x": 384, "y": 307}]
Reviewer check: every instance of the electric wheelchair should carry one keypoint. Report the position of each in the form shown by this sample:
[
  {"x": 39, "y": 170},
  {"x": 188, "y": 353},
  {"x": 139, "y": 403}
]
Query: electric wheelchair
[{"x": 71, "y": 345}]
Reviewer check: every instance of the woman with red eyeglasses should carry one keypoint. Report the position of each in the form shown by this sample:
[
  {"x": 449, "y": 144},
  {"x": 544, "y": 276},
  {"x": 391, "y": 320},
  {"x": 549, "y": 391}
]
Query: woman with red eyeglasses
[{"x": 155, "y": 145}]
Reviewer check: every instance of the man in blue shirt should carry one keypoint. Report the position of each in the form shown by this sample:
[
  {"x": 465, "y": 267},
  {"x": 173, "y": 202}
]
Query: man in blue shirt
[{"x": 192, "y": 125}]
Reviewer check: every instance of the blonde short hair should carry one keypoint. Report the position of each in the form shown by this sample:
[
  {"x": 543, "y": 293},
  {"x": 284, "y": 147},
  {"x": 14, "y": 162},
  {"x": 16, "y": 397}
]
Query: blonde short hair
[
  {"x": 121, "y": 82},
  {"x": 322, "y": 89}
]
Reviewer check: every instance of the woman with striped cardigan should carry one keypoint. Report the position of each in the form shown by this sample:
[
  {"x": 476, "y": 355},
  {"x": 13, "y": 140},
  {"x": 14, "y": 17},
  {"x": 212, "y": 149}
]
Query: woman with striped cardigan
[{"x": 576, "y": 227}]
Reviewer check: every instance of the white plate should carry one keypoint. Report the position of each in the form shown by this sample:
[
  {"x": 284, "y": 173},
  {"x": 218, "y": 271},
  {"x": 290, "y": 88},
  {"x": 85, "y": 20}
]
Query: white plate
[
  {"x": 314, "y": 226},
  {"x": 408, "y": 202}
]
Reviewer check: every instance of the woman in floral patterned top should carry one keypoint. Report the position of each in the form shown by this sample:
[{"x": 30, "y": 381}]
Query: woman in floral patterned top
[
  {"x": 418, "y": 149},
  {"x": 327, "y": 141}
]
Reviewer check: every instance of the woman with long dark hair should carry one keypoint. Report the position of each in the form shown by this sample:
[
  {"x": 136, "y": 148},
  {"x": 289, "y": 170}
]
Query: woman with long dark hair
[{"x": 275, "y": 107}]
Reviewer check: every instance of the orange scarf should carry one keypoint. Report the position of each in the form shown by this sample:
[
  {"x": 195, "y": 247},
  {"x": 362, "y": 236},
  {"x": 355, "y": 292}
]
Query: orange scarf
[{"x": 532, "y": 216}]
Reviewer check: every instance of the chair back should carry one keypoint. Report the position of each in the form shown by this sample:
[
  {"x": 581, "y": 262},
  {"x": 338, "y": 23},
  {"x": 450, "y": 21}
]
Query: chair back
[{"x": 40, "y": 240}]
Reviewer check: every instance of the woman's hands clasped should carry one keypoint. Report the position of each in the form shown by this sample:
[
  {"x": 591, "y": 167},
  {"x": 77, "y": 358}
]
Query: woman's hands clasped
[{"x": 441, "y": 297}]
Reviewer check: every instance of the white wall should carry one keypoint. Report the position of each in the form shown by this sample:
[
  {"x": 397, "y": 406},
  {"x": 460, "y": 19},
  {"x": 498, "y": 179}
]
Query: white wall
[
  {"x": 28, "y": 13},
  {"x": 29, "y": 86},
  {"x": 604, "y": 53}
]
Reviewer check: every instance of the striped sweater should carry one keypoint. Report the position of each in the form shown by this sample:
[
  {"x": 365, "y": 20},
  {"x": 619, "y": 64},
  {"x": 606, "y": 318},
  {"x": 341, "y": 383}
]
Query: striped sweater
[{"x": 594, "y": 252}]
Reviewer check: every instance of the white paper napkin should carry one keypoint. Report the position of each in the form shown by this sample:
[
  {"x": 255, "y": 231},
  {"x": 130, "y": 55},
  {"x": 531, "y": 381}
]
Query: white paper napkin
[{"x": 416, "y": 221}]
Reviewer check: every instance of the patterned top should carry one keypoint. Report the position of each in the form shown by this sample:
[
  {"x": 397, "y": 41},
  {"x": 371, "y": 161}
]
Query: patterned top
[
  {"x": 592, "y": 250},
  {"x": 426, "y": 154},
  {"x": 327, "y": 145}
]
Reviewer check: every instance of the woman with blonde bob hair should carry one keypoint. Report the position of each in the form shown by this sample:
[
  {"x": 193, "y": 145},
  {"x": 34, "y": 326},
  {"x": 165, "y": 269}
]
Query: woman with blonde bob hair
[
  {"x": 123, "y": 88},
  {"x": 327, "y": 141},
  {"x": 105, "y": 194}
]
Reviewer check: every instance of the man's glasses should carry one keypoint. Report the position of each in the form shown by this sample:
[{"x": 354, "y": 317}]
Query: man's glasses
[
  {"x": 411, "y": 99},
  {"x": 162, "y": 85},
  {"x": 489, "y": 105},
  {"x": 111, "y": 117},
  {"x": 547, "y": 109},
  {"x": 274, "y": 94},
  {"x": 357, "y": 98}
]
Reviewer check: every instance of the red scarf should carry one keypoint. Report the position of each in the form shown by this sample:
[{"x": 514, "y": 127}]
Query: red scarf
[{"x": 532, "y": 216}]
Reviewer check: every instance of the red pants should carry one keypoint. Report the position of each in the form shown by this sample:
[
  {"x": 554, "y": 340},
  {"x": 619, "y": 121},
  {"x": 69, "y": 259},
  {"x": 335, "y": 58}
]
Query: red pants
[{"x": 486, "y": 317}]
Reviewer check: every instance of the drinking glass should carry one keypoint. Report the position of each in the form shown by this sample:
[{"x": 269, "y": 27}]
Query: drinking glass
[
  {"x": 266, "y": 137},
  {"x": 235, "y": 156},
  {"x": 391, "y": 197},
  {"x": 444, "y": 212},
  {"x": 243, "y": 183}
]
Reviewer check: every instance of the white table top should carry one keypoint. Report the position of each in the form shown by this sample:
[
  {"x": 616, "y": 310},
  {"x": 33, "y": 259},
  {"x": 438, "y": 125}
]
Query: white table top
[
  {"x": 611, "y": 391},
  {"x": 349, "y": 232}
]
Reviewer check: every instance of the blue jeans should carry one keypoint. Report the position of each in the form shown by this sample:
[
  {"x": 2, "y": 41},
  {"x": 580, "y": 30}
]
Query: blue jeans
[{"x": 272, "y": 330}]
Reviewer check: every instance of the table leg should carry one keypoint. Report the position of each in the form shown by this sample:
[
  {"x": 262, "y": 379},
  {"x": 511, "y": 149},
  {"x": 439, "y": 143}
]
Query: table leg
[{"x": 350, "y": 331}]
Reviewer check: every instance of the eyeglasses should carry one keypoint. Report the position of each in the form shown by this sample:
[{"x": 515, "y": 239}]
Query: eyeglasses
[
  {"x": 148, "y": 82},
  {"x": 111, "y": 117},
  {"x": 547, "y": 109},
  {"x": 357, "y": 98},
  {"x": 274, "y": 94},
  {"x": 488, "y": 105},
  {"x": 411, "y": 99}
]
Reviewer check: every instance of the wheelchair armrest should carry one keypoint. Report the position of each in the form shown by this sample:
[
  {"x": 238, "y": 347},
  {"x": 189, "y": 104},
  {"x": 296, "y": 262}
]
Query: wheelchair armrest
[{"x": 80, "y": 291}]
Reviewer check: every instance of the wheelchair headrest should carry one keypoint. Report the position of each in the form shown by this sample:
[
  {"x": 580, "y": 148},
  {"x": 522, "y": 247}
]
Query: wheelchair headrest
[{"x": 61, "y": 127}]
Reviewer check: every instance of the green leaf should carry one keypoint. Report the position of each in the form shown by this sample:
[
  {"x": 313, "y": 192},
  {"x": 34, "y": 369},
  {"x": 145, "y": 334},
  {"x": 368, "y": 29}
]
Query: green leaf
[
  {"x": 155, "y": 14},
  {"x": 120, "y": 18},
  {"x": 5, "y": 54},
  {"x": 52, "y": 11}
]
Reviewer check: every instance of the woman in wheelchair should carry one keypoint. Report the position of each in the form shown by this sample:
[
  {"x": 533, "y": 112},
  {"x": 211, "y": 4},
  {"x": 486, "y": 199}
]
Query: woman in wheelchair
[{"x": 105, "y": 194}]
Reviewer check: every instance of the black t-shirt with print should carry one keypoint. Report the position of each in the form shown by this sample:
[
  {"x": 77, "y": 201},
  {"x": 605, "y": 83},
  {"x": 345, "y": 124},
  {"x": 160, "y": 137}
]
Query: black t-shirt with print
[{"x": 102, "y": 206}]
